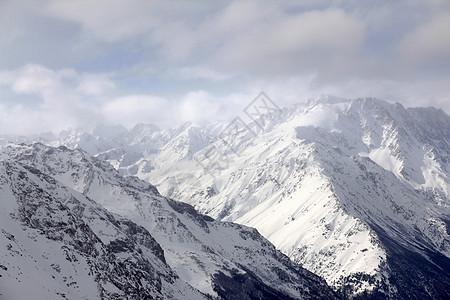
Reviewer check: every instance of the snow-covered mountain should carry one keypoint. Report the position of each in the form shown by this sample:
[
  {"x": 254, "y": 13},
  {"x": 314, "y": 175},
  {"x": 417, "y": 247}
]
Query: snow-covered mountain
[
  {"x": 356, "y": 191},
  {"x": 73, "y": 228}
]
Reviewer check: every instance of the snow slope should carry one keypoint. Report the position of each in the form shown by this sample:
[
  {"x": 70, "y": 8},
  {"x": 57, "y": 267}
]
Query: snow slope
[{"x": 58, "y": 244}]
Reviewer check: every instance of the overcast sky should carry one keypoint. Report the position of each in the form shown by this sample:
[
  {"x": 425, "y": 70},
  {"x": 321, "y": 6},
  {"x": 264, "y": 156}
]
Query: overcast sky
[{"x": 83, "y": 62}]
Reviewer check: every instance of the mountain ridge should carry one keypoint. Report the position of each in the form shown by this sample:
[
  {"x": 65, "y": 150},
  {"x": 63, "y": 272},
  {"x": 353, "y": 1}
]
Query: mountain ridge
[{"x": 349, "y": 189}]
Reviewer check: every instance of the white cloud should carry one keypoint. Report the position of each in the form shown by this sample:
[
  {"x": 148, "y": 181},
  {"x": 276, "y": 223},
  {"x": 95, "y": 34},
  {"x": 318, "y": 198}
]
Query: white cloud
[
  {"x": 64, "y": 98},
  {"x": 96, "y": 84},
  {"x": 134, "y": 109},
  {"x": 60, "y": 103},
  {"x": 432, "y": 92},
  {"x": 52, "y": 87},
  {"x": 20, "y": 119},
  {"x": 197, "y": 106},
  {"x": 41, "y": 99},
  {"x": 61, "y": 87},
  {"x": 29, "y": 79}
]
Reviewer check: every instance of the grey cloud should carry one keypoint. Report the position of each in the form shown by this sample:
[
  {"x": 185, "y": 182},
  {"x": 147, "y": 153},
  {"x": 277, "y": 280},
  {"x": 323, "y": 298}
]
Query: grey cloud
[
  {"x": 333, "y": 38},
  {"x": 81, "y": 62},
  {"x": 428, "y": 41}
]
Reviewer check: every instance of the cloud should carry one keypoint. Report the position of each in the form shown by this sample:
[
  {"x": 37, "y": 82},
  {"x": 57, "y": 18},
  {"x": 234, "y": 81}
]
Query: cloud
[
  {"x": 297, "y": 44},
  {"x": 262, "y": 40},
  {"x": 58, "y": 99},
  {"x": 61, "y": 99},
  {"x": 241, "y": 36},
  {"x": 410, "y": 93},
  {"x": 52, "y": 87},
  {"x": 118, "y": 61},
  {"x": 41, "y": 99},
  {"x": 96, "y": 84},
  {"x": 24, "y": 120},
  {"x": 198, "y": 72},
  {"x": 198, "y": 107},
  {"x": 209, "y": 41},
  {"x": 427, "y": 42},
  {"x": 111, "y": 20},
  {"x": 133, "y": 109},
  {"x": 56, "y": 87}
]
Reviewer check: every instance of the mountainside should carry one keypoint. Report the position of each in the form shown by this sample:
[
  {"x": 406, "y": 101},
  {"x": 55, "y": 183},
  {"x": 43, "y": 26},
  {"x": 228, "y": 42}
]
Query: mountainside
[
  {"x": 58, "y": 244},
  {"x": 351, "y": 190},
  {"x": 73, "y": 228},
  {"x": 356, "y": 191}
]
